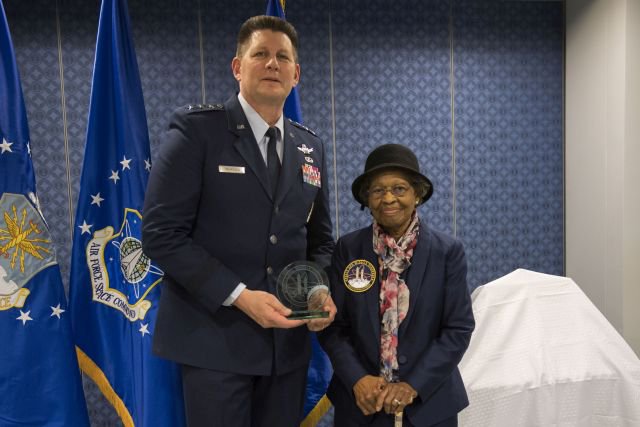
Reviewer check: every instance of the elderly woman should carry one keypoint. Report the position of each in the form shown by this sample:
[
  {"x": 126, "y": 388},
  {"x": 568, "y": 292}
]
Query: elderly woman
[{"x": 404, "y": 312}]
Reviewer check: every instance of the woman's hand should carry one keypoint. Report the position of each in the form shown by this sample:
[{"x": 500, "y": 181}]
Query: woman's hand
[
  {"x": 396, "y": 397},
  {"x": 367, "y": 392}
]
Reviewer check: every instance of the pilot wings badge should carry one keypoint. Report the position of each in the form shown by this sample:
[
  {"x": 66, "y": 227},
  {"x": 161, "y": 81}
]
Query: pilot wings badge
[
  {"x": 121, "y": 274},
  {"x": 25, "y": 248}
]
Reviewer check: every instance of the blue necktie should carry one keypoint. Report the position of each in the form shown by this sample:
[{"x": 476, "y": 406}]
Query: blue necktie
[{"x": 273, "y": 162}]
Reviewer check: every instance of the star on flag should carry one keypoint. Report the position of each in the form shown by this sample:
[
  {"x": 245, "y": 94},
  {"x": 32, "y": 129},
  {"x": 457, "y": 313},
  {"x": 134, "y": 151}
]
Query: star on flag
[
  {"x": 6, "y": 146},
  {"x": 115, "y": 176},
  {"x": 96, "y": 200},
  {"x": 24, "y": 317},
  {"x": 57, "y": 311},
  {"x": 86, "y": 228},
  {"x": 125, "y": 163},
  {"x": 144, "y": 329}
]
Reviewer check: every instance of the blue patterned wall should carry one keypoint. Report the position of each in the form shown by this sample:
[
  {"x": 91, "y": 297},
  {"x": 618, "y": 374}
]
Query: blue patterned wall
[
  {"x": 473, "y": 87},
  {"x": 508, "y": 105}
]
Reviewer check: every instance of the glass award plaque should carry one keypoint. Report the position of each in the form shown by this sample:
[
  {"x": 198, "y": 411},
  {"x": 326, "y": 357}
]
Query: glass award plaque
[{"x": 303, "y": 286}]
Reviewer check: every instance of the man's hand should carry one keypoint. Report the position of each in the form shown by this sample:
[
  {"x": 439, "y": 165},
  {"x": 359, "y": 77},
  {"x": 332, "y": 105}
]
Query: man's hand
[
  {"x": 367, "y": 391},
  {"x": 396, "y": 397},
  {"x": 265, "y": 309},
  {"x": 321, "y": 323}
]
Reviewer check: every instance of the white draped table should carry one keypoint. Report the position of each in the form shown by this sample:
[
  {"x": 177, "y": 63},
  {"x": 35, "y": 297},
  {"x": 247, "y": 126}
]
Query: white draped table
[{"x": 543, "y": 355}]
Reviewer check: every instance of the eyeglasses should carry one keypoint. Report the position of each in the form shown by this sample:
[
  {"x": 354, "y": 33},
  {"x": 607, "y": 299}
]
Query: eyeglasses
[{"x": 379, "y": 192}]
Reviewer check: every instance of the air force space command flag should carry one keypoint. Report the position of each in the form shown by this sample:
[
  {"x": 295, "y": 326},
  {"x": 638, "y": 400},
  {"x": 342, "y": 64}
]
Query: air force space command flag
[
  {"x": 114, "y": 286},
  {"x": 39, "y": 377}
]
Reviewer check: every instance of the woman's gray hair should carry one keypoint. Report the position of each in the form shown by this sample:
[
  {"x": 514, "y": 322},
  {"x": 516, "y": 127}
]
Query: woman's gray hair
[{"x": 421, "y": 187}]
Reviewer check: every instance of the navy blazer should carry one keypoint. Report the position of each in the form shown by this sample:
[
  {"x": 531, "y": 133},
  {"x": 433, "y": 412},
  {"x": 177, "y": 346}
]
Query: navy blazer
[
  {"x": 431, "y": 340},
  {"x": 211, "y": 222}
]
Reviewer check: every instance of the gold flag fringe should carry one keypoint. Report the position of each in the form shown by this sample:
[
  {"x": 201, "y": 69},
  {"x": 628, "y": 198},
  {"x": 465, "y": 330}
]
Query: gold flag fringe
[
  {"x": 317, "y": 412},
  {"x": 89, "y": 367}
]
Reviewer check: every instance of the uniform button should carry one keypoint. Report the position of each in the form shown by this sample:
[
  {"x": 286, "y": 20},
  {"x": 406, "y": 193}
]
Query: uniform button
[
  {"x": 273, "y": 239},
  {"x": 402, "y": 359},
  {"x": 269, "y": 270},
  {"x": 276, "y": 209}
]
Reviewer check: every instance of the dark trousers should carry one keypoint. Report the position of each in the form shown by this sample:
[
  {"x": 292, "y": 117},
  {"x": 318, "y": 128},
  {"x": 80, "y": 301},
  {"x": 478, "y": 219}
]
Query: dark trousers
[
  {"x": 222, "y": 399},
  {"x": 382, "y": 419}
]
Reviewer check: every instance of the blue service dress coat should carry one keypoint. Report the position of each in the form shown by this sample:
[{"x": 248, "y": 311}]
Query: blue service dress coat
[
  {"x": 211, "y": 222},
  {"x": 431, "y": 340}
]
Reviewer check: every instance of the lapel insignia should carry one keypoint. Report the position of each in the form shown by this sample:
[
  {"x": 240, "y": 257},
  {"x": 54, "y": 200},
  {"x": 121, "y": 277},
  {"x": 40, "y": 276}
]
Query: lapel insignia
[
  {"x": 359, "y": 275},
  {"x": 305, "y": 149},
  {"x": 240, "y": 127},
  {"x": 311, "y": 175}
]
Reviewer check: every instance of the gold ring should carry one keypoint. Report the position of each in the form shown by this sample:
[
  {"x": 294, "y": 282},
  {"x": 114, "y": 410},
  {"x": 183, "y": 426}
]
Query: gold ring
[{"x": 396, "y": 402}]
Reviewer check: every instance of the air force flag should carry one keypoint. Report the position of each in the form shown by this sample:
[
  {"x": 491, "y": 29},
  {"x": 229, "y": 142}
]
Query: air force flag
[{"x": 39, "y": 377}]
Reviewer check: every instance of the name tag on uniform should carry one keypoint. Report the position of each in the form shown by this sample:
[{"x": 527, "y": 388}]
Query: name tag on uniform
[{"x": 230, "y": 169}]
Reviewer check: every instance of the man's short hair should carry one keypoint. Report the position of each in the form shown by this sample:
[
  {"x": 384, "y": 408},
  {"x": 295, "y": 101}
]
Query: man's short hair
[{"x": 263, "y": 22}]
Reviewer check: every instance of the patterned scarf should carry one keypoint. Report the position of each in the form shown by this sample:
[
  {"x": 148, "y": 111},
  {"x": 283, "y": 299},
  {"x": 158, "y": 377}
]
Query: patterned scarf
[{"x": 394, "y": 258}]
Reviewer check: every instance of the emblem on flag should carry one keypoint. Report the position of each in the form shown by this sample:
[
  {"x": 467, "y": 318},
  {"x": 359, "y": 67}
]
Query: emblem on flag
[
  {"x": 25, "y": 248},
  {"x": 121, "y": 274}
]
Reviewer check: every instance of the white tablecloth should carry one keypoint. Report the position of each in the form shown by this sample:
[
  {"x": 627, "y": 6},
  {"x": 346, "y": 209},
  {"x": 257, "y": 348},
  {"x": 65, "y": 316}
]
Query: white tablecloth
[{"x": 543, "y": 355}]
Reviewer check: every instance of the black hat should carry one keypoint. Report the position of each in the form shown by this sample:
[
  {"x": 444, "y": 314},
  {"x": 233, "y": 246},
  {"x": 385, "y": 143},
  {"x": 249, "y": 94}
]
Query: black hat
[{"x": 390, "y": 156}]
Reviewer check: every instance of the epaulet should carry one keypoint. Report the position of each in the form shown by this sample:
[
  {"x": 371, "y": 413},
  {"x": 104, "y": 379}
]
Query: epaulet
[
  {"x": 197, "y": 108},
  {"x": 301, "y": 126}
]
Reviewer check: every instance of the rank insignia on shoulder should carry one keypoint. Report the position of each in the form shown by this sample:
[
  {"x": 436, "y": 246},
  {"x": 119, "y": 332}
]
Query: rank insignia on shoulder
[
  {"x": 192, "y": 108},
  {"x": 301, "y": 126}
]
